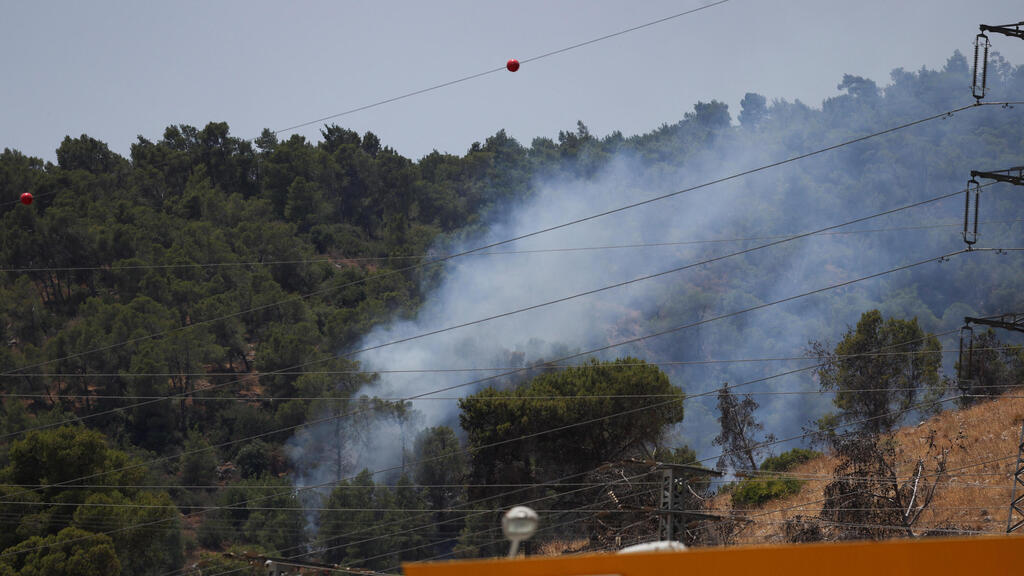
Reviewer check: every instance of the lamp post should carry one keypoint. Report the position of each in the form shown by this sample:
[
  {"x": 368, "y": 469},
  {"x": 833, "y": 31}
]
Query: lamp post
[{"x": 519, "y": 524}]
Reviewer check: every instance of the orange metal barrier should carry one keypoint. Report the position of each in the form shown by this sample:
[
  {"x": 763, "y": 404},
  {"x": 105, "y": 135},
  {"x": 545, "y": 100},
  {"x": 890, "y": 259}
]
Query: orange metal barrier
[{"x": 961, "y": 556}]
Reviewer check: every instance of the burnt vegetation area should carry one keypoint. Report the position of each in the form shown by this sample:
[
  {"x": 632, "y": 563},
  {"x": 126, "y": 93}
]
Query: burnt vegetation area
[{"x": 168, "y": 320}]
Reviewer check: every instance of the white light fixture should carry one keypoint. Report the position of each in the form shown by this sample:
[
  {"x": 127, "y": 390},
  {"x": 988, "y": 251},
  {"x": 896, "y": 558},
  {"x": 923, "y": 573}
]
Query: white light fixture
[{"x": 519, "y": 524}]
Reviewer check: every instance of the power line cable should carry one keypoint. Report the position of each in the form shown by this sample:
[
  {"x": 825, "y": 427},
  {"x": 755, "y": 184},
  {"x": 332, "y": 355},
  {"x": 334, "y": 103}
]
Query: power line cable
[
  {"x": 904, "y": 267},
  {"x": 346, "y": 259},
  {"x": 539, "y": 366},
  {"x": 761, "y": 379},
  {"x": 546, "y": 366},
  {"x": 82, "y": 418},
  {"x": 500, "y": 68},
  {"x": 785, "y": 440},
  {"x": 471, "y": 76},
  {"x": 573, "y": 356},
  {"x": 527, "y": 398},
  {"x": 442, "y": 259},
  {"x": 805, "y": 435},
  {"x": 210, "y": 487}
]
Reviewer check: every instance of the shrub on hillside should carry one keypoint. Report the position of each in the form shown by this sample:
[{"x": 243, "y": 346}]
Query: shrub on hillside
[
  {"x": 758, "y": 490},
  {"x": 788, "y": 460}
]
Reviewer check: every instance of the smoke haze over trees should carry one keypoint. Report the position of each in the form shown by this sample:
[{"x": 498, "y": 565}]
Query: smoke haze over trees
[{"x": 263, "y": 267}]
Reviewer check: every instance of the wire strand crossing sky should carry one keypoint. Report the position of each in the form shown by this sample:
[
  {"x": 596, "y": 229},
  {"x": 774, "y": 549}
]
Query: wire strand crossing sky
[{"x": 116, "y": 70}]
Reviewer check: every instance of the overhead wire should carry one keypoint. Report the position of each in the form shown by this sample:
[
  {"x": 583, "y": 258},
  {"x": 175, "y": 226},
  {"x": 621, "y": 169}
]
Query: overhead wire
[
  {"x": 538, "y": 366},
  {"x": 197, "y": 394},
  {"x": 501, "y": 68},
  {"x": 765, "y": 444},
  {"x": 760, "y": 379},
  {"x": 472, "y": 76},
  {"x": 249, "y": 487},
  {"x": 533, "y": 397},
  {"x": 495, "y": 244},
  {"x": 784, "y": 440},
  {"x": 852, "y": 423},
  {"x": 339, "y": 260},
  {"x": 398, "y": 341},
  {"x": 236, "y": 504},
  {"x": 958, "y": 110},
  {"x": 565, "y": 358}
]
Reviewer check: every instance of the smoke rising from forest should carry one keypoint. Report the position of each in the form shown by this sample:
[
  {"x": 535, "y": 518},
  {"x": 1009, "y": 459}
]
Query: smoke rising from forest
[{"x": 838, "y": 186}]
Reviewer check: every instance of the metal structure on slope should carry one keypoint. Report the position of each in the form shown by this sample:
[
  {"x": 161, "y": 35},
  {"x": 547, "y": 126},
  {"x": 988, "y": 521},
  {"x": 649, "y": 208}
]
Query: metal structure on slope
[
  {"x": 1013, "y": 176},
  {"x": 965, "y": 370},
  {"x": 1016, "y": 518},
  {"x": 981, "y": 46}
]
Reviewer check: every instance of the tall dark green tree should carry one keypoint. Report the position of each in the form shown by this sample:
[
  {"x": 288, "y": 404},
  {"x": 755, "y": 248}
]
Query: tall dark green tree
[
  {"x": 994, "y": 368},
  {"x": 879, "y": 371},
  {"x": 440, "y": 467},
  {"x": 741, "y": 446},
  {"x": 145, "y": 525},
  {"x": 70, "y": 551},
  {"x": 561, "y": 423}
]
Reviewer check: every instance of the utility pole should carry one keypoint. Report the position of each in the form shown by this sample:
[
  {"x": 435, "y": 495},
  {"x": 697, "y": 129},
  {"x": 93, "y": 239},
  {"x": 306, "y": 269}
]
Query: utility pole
[
  {"x": 1013, "y": 322},
  {"x": 1016, "y": 519},
  {"x": 965, "y": 370},
  {"x": 673, "y": 515}
]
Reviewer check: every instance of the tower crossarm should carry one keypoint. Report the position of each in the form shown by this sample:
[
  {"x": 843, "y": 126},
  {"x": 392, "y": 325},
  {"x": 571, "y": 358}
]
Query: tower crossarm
[{"x": 1016, "y": 30}]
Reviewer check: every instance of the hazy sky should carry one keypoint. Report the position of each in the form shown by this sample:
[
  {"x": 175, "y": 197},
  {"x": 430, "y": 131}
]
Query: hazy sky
[{"x": 115, "y": 70}]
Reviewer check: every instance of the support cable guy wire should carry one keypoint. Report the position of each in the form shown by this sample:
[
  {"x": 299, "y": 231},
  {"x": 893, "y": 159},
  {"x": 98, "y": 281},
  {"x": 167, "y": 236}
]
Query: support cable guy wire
[
  {"x": 499, "y": 68},
  {"x": 477, "y": 74}
]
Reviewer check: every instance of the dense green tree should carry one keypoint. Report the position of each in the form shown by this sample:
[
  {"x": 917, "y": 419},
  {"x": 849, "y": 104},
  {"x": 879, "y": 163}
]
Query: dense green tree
[
  {"x": 741, "y": 448},
  {"x": 85, "y": 153},
  {"x": 145, "y": 527},
  {"x": 413, "y": 532},
  {"x": 264, "y": 511},
  {"x": 346, "y": 521},
  {"x": 501, "y": 423},
  {"x": 753, "y": 109},
  {"x": 275, "y": 519},
  {"x": 286, "y": 346},
  {"x": 994, "y": 368},
  {"x": 253, "y": 459},
  {"x": 70, "y": 552},
  {"x": 199, "y": 463},
  {"x": 596, "y": 420},
  {"x": 879, "y": 370},
  {"x": 439, "y": 465}
]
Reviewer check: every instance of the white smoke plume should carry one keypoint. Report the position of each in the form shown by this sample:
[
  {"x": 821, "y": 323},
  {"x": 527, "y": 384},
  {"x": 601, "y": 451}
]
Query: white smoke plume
[{"x": 835, "y": 187}]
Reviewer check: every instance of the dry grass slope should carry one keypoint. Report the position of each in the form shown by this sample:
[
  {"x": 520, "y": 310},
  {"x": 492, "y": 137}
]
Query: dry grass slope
[{"x": 974, "y": 496}]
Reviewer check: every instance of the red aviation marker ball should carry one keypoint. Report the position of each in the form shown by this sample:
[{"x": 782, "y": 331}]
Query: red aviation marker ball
[
  {"x": 26, "y": 198},
  {"x": 512, "y": 65}
]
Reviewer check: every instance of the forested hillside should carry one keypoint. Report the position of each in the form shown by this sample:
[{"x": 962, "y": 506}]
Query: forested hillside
[{"x": 227, "y": 345}]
